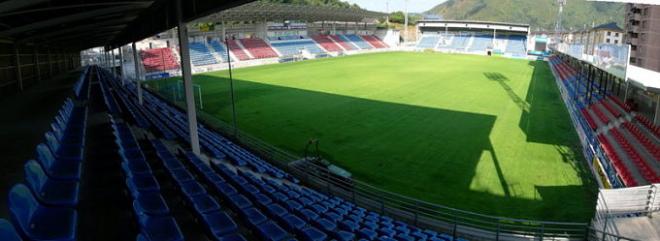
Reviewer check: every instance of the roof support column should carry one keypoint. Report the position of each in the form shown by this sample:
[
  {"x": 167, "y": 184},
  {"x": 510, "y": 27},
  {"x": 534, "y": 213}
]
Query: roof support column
[
  {"x": 137, "y": 74},
  {"x": 50, "y": 63},
  {"x": 19, "y": 75},
  {"x": 121, "y": 65},
  {"x": 114, "y": 64},
  {"x": 656, "y": 120},
  {"x": 184, "y": 51},
  {"x": 494, "y": 38},
  {"x": 60, "y": 61},
  {"x": 223, "y": 33},
  {"x": 37, "y": 68}
]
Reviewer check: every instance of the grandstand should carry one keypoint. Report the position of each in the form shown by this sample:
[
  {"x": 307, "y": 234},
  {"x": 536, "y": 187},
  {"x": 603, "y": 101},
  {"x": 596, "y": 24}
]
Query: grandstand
[
  {"x": 98, "y": 154},
  {"x": 476, "y": 37}
]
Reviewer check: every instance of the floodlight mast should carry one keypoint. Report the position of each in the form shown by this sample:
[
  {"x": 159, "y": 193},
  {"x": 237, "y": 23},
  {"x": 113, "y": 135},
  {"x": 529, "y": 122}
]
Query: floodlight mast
[
  {"x": 387, "y": 10},
  {"x": 405, "y": 22},
  {"x": 558, "y": 27}
]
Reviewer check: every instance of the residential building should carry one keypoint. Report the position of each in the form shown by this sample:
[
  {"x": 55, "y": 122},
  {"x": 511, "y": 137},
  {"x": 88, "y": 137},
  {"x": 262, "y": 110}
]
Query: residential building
[{"x": 643, "y": 35}]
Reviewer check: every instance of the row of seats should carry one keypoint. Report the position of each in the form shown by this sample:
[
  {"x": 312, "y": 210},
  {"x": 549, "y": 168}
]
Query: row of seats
[
  {"x": 343, "y": 42},
  {"x": 269, "y": 202},
  {"x": 357, "y": 41},
  {"x": 632, "y": 151},
  {"x": 644, "y": 168},
  {"x": 650, "y": 146},
  {"x": 44, "y": 208},
  {"x": 200, "y": 55},
  {"x": 617, "y": 162},
  {"x": 151, "y": 211},
  {"x": 428, "y": 41},
  {"x": 258, "y": 48},
  {"x": 220, "y": 49},
  {"x": 283, "y": 38},
  {"x": 374, "y": 41},
  {"x": 460, "y": 42},
  {"x": 237, "y": 50},
  {"x": 158, "y": 59},
  {"x": 481, "y": 43},
  {"x": 81, "y": 87},
  {"x": 649, "y": 125},
  {"x": 327, "y": 43},
  {"x": 517, "y": 45},
  {"x": 293, "y": 47},
  {"x": 512, "y": 44}
]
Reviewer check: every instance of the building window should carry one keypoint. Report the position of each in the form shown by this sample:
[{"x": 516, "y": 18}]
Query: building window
[
  {"x": 608, "y": 41},
  {"x": 616, "y": 34},
  {"x": 609, "y": 33},
  {"x": 616, "y": 41}
]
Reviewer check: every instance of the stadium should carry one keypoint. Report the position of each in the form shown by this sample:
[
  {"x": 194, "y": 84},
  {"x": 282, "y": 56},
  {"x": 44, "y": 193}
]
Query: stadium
[{"x": 255, "y": 120}]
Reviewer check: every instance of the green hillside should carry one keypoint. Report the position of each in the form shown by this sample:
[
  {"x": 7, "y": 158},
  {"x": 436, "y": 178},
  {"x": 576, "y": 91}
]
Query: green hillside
[
  {"x": 538, "y": 13},
  {"x": 333, "y": 3}
]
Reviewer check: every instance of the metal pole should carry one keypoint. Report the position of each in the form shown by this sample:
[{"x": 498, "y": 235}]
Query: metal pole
[
  {"x": 121, "y": 65},
  {"x": 137, "y": 73},
  {"x": 36, "y": 63},
  {"x": 50, "y": 63},
  {"x": 231, "y": 92},
  {"x": 405, "y": 24},
  {"x": 184, "y": 51},
  {"x": 656, "y": 119},
  {"x": 19, "y": 75}
]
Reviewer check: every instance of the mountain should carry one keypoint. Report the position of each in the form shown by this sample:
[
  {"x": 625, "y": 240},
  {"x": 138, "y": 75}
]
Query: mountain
[
  {"x": 332, "y": 3},
  {"x": 540, "y": 14}
]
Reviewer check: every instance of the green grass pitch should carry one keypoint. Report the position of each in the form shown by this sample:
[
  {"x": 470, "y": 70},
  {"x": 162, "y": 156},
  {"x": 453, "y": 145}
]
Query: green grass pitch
[{"x": 483, "y": 134}]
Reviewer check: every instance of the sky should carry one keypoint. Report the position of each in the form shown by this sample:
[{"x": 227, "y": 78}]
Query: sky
[{"x": 414, "y": 6}]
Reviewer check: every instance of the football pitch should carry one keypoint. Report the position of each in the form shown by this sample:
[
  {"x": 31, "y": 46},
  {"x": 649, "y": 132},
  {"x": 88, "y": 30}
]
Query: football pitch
[{"x": 483, "y": 134}]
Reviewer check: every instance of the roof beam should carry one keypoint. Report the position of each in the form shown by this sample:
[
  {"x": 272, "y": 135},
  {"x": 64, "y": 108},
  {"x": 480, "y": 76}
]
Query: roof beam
[
  {"x": 12, "y": 5},
  {"x": 73, "y": 18},
  {"x": 88, "y": 5}
]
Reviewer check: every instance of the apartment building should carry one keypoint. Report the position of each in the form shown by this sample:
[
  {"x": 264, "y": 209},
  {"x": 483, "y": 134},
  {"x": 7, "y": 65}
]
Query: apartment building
[
  {"x": 609, "y": 33},
  {"x": 643, "y": 35}
]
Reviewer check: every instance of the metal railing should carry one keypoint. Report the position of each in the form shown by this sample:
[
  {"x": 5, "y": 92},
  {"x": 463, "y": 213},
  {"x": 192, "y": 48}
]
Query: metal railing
[{"x": 456, "y": 222}]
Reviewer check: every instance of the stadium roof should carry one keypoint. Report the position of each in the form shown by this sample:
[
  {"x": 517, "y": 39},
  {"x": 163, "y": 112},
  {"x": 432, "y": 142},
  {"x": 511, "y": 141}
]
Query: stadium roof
[
  {"x": 609, "y": 26},
  {"x": 279, "y": 12},
  {"x": 78, "y": 25}
]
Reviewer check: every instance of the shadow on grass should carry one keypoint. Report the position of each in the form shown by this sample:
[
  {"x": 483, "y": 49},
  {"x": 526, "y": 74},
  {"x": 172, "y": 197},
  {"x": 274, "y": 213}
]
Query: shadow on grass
[{"x": 426, "y": 153}]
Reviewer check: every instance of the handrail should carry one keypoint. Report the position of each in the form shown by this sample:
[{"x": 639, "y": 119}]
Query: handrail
[
  {"x": 418, "y": 212},
  {"x": 458, "y": 223}
]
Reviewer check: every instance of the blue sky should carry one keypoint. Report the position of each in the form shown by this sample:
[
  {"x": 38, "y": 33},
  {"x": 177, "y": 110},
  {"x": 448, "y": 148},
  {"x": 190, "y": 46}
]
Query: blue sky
[{"x": 416, "y": 6}]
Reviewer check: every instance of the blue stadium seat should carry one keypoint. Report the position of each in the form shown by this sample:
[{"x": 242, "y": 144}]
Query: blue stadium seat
[
  {"x": 161, "y": 229},
  {"x": 61, "y": 169},
  {"x": 367, "y": 234},
  {"x": 343, "y": 235},
  {"x": 253, "y": 216},
  {"x": 7, "y": 231},
  {"x": 37, "y": 222},
  {"x": 142, "y": 184},
  {"x": 293, "y": 222},
  {"x": 233, "y": 237},
  {"x": 220, "y": 224},
  {"x": 192, "y": 188},
  {"x": 276, "y": 210},
  {"x": 136, "y": 168},
  {"x": 271, "y": 231},
  {"x": 150, "y": 204},
  {"x": 325, "y": 224},
  {"x": 63, "y": 151},
  {"x": 313, "y": 234},
  {"x": 50, "y": 192},
  {"x": 240, "y": 202},
  {"x": 204, "y": 204}
]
